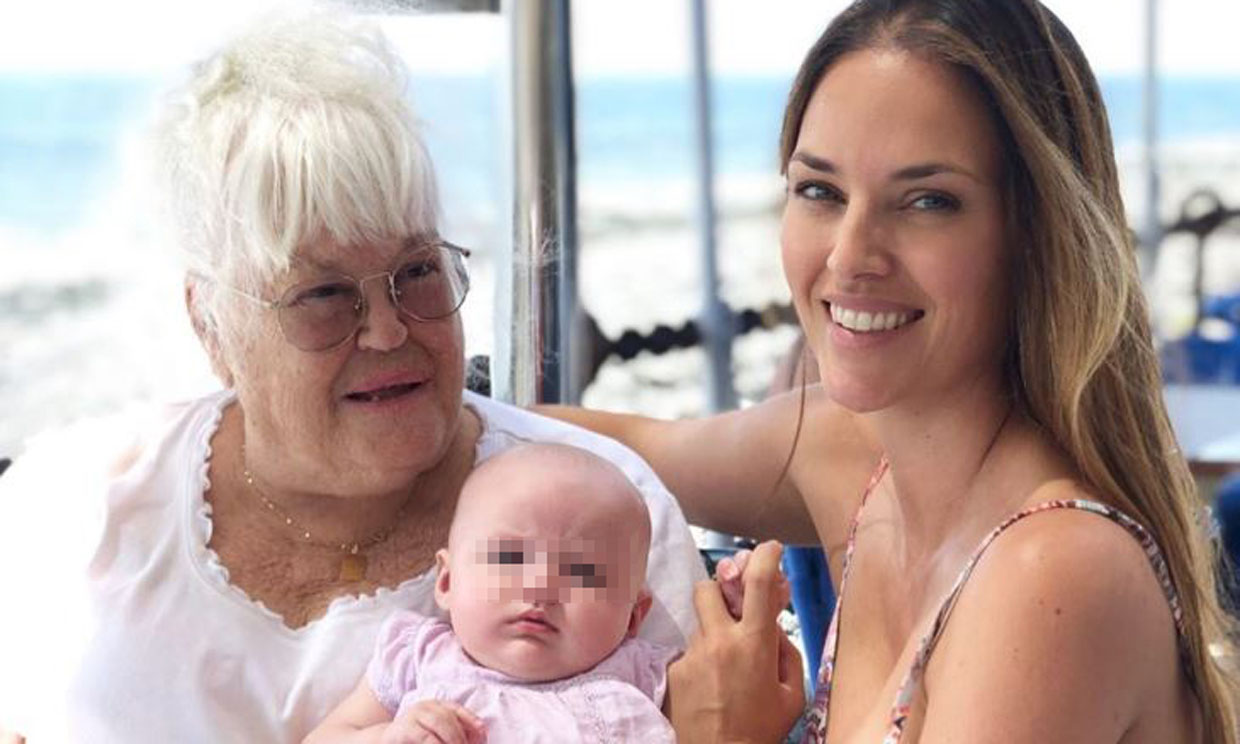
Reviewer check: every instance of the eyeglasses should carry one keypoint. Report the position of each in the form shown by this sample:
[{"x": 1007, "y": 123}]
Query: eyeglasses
[{"x": 427, "y": 284}]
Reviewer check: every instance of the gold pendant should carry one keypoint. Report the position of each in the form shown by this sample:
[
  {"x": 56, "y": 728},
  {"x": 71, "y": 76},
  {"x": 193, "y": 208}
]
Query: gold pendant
[{"x": 352, "y": 567}]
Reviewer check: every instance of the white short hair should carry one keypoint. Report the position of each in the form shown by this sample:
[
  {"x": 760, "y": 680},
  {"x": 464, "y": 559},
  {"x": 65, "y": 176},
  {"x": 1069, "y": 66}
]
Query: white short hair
[{"x": 295, "y": 131}]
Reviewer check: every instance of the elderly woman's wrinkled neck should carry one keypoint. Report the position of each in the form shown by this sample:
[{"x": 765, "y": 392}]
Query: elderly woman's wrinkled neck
[{"x": 297, "y": 557}]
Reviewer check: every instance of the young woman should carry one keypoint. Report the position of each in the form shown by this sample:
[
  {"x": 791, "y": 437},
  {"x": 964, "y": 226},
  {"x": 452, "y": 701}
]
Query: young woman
[{"x": 1026, "y": 563}]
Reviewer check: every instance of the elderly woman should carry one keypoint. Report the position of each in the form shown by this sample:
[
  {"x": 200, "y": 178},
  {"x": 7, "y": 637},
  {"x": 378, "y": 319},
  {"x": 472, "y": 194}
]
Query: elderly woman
[{"x": 218, "y": 573}]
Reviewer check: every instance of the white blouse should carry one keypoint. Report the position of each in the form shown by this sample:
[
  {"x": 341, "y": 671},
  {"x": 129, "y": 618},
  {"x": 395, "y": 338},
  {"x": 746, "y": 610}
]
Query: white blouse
[{"x": 118, "y": 624}]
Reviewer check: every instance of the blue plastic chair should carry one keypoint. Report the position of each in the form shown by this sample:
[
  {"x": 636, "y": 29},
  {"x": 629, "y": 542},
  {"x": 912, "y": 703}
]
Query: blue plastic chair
[
  {"x": 1196, "y": 358},
  {"x": 813, "y": 601},
  {"x": 1227, "y": 515}
]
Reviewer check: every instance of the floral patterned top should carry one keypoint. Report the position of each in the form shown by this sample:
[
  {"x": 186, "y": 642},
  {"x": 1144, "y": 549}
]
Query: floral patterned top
[{"x": 816, "y": 718}]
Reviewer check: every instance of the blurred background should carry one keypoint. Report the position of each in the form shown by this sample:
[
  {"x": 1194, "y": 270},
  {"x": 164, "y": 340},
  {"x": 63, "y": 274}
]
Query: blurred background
[{"x": 91, "y": 312}]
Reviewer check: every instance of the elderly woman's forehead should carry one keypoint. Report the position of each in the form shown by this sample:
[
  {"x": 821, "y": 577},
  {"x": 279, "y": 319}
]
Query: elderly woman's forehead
[{"x": 330, "y": 254}]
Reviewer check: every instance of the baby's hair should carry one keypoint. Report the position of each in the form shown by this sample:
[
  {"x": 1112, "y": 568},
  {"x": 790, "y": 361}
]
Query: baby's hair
[{"x": 607, "y": 480}]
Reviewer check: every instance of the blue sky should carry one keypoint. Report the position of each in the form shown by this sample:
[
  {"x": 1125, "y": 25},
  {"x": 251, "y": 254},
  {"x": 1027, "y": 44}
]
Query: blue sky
[{"x": 612, "y": 37}]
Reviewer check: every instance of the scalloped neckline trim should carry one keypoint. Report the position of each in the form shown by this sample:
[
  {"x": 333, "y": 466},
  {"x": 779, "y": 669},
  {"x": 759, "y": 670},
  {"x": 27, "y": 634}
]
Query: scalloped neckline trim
[{"x": 206, "y": 561}]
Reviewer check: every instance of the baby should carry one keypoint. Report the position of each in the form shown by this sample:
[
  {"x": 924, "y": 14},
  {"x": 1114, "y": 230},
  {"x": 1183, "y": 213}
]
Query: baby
[{"x": 543, "y": 583}]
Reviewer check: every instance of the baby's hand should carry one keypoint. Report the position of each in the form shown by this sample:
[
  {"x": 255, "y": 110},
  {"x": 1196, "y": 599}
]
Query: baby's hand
[
  {"x": 730, "y": 573},
  {"x": 436, "y": 722}
]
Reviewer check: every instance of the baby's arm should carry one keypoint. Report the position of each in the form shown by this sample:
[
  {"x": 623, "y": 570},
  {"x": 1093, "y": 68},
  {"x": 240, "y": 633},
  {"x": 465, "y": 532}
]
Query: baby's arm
[
  {"x": 359, "y": 718},
  {"x": 362, "y": 718}
]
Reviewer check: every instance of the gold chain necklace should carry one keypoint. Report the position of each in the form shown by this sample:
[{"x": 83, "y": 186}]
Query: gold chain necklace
[{"x": 353, "y": 559}]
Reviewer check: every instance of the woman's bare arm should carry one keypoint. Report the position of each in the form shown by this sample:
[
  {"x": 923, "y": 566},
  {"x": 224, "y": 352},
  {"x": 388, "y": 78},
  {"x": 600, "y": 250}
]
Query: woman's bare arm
[{"x": 723, "y": 469}]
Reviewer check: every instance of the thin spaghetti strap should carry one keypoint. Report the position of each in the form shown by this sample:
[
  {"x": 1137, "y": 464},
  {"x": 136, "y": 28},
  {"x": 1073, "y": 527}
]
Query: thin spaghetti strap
[
  {"x": 816, "y": 718},
  {"x": 912, "y": 679}
]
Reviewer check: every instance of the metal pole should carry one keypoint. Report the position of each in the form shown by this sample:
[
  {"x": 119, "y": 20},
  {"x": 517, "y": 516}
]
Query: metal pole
[
  {"x": 1152, "y": 230},
  {"x": 574, "y": 357},
  {"x": 715, "y": 320},
  {"x": 536, "y": 306}
]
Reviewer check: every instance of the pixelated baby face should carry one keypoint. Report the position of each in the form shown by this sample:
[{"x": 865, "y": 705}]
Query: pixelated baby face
[
  {"x": 547, "y": 570},
  {"x": 544, "y": 575}
]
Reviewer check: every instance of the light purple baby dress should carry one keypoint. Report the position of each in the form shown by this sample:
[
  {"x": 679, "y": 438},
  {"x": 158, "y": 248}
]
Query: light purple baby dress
[{"x": 419, "y": 658}]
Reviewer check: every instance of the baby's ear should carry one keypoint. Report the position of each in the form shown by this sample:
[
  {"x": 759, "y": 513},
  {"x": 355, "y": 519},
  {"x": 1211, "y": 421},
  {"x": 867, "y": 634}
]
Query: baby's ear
[
  {"x": 443, "y": 579},
  {"x": 641, "y": 608}
]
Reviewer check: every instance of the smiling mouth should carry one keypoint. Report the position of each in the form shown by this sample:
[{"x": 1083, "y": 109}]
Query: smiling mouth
[
  {"x": 861, "y": 321},
  {"x": 379, "y": 395}
]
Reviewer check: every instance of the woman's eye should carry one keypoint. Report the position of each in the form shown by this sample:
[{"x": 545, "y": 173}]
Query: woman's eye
[
  {"x": 934, "y": 203},
  {"x": 816, "y": 191},
  {"x": 324, "y": 292},
  {"x": 418, "y": 269}
]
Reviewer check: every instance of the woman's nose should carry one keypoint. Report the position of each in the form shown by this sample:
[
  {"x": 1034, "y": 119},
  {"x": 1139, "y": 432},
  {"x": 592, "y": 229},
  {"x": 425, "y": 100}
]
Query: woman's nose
[
  {"x": 384, "y": 327},
  {"x": 859, "y": 248}
]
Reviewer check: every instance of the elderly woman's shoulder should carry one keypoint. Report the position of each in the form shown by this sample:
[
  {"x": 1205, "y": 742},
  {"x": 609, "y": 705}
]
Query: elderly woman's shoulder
[{"x": 103, "y": 447}]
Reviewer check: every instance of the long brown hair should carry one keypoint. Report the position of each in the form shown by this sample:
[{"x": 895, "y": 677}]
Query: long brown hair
[{"x": 1080, "y": 360}]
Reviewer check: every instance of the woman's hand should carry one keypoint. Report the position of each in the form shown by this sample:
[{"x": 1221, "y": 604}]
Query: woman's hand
[
  {"x": 740, "y": 679},
  {"x": 730, "y": 573}
]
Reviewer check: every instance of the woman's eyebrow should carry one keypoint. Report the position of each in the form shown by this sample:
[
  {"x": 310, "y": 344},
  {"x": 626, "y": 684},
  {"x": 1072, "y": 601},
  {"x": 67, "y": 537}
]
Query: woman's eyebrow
[
  {"x": 907, "y": 173},
  {"x": 926, "y": 170},
  {"x": 421, "y": 240},
  {"x": 303, "y": 264},
  {"x": 331, "y": 265},
  {"x": 813, "y": 161}
]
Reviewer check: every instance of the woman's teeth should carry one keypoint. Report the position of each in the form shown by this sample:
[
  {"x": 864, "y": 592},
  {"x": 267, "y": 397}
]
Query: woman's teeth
[
  {"x": 374, "y": 396},
  {"x": 861, "y": 321}
]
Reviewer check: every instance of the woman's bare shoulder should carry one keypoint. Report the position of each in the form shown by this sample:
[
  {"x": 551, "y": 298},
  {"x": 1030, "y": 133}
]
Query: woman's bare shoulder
[
  {"x": 1063, "y": 629},
  {"x": 1084, "y": 557}
]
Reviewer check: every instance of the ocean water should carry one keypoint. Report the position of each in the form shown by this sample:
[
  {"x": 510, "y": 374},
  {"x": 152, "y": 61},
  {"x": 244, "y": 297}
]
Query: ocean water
[
  {"x": 86, "y": 324},
  {"x": 61, "y": 137}
]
